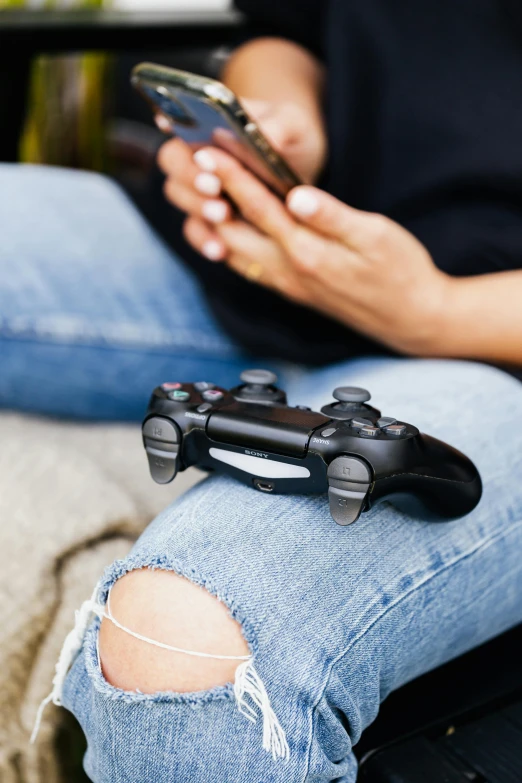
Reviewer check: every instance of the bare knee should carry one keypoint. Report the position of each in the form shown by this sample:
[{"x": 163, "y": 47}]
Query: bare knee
[{"x": 168, "y": 608}]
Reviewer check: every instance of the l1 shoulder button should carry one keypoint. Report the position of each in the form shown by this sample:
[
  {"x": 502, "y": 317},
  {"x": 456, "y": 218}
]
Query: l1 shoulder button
[{"x": 349, "y": 469}]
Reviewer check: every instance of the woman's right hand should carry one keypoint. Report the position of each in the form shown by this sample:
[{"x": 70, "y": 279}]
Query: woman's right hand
[{"x": 287, "y": 127}]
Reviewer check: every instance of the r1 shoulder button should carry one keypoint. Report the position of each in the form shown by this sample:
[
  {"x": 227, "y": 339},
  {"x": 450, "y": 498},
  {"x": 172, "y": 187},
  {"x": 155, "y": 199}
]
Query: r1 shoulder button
[{"x": 161, "y": 429}]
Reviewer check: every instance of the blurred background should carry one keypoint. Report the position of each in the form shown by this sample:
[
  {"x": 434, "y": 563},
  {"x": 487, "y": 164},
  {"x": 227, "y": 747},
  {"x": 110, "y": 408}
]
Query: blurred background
[{"x": 65, "y": 97}]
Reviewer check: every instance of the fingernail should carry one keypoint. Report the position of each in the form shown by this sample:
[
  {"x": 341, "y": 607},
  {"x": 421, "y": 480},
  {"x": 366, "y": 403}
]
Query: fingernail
[
  {"x": 208, "y": 184},
  {"x": 212, "y": 250},
  {"x": 303, "y": 203},
  {"x": 215, "y": 211},
  {"x": 204, "y": 160},
  {"x": 163, "y": 123}
]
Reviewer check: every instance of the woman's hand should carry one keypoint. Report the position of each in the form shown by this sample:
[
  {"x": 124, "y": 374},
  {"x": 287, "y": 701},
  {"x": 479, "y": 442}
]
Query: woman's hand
[
  {"x": 289, "y": 129},
  {"x": 360, "y": 268}
]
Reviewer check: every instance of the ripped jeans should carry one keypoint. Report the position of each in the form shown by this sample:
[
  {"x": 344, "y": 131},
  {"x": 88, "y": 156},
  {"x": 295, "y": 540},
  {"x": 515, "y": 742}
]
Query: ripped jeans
[{"x": 335, "y": 618}]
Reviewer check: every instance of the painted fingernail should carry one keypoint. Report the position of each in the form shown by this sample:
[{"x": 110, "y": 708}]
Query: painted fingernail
[
  {"x": 208, "y": 184},
  {"x": 204, "y": 160},
  {"x": 303, "y": 203},
  {"x": 215, "y": 211},
  {"x": 163, "y": 123},
  {"x": 212, "y": 250}
]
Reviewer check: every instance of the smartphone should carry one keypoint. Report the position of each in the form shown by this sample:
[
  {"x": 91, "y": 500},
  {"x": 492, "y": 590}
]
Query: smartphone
[{"x": 204, "y": 112}]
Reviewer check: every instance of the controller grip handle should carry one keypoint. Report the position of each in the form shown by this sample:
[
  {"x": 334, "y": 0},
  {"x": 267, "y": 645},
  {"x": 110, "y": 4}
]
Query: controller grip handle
[{"x": 442, "y": 478}]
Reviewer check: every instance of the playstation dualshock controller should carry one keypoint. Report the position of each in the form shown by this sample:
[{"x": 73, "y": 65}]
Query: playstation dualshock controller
[{"x": 348, "y": 450}]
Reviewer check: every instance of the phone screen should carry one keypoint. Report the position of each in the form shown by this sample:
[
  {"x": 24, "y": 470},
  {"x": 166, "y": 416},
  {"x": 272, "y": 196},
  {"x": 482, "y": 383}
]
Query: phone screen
[{"x": 200, "y": 121}]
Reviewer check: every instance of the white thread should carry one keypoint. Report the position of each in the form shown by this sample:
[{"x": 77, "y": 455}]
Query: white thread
[
  {"x": 71, "y": 646},
  {"x": 249, "y": 683},
  {"x": 169, "y": 647}
]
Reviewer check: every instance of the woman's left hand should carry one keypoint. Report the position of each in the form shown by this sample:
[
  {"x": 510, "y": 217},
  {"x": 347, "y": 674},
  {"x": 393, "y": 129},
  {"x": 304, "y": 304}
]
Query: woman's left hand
[{"x": 359, "y": 268}]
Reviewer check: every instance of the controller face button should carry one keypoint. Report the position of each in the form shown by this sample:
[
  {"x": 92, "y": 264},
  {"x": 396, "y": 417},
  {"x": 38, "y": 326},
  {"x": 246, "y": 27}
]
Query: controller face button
[
  {"x": 161, "y": 429},
  {"x": 206, "y": 406},
  {"x": 170, "y": 386},
  {"x": 395, "y": 429},
  {"x": 179, "y": 396},
  {"x": 369, "y": 432},
  {"x": 349, "y": 469},
  {"x": 202, "y": 386},
  {"x": 328, "y": 431},
  {"x": 385, "y": 421},
  {"x": 212, "y": 395},
  {"x": 361, "y": 423},
  {"x": 302, "y": 408}
]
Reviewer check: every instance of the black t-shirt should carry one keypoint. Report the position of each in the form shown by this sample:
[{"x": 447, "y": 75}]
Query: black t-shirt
[{"x": 424, "y": 116}]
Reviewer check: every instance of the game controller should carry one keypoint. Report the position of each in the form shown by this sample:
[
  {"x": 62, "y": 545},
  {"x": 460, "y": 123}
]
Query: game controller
[{"x": 348, "y": 450}]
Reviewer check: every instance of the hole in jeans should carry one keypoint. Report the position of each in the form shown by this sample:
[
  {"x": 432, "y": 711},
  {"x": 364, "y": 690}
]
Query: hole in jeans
[
  {"x": 157, "y": 600},
  {"x": 167, "y": 608}
]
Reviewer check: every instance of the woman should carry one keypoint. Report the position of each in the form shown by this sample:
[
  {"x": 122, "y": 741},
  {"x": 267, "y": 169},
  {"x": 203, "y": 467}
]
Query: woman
[{"x": 409, "y": 264}]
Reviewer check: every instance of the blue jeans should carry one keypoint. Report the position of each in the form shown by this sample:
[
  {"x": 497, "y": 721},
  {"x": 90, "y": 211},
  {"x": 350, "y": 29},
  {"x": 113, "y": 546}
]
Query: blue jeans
[{"x": 95, "y": 312}]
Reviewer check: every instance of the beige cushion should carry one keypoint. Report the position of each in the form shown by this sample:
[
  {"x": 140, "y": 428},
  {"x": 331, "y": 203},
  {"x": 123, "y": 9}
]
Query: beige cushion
[{"x": 73, "y": 498}]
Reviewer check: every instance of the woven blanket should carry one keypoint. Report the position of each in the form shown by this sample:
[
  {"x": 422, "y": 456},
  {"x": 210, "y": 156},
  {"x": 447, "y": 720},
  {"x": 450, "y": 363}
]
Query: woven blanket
[{"x": 73, "y": 498}]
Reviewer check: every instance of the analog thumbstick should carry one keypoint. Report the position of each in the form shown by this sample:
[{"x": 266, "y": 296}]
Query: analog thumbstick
[
  {"x": 259, "y": 387},
  {"x": 258, "y": 377},
  {"x": 351, "y": 394}
]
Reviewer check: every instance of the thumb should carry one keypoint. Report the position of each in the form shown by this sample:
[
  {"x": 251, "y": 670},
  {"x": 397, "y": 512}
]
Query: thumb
[{"x": 327, "y": 215}]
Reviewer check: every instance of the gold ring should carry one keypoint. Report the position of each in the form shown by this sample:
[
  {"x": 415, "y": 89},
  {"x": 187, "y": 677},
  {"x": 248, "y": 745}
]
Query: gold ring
[{"x": 253, "y": 271}]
